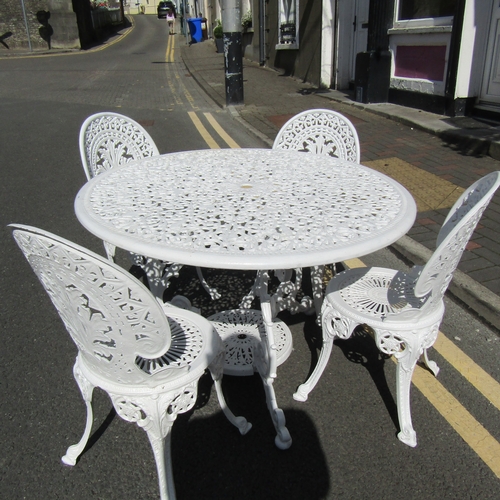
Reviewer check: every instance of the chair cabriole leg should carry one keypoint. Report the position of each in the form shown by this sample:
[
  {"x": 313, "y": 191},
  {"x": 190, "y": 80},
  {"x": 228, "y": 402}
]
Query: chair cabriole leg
[
  {"x": 407, "y": 360},
  {"x": 160, "y": 443},
  {"x": 431, "y": 365},
  {"x": 333, "y": 325},
  {"x": 86, "y": 388}
]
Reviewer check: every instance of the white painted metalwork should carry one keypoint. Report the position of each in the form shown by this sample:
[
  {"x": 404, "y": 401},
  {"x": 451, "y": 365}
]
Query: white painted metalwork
[
  {"x": 241, "y": 331},
  {"x": 404, "y": 310},
  {"x": 320, "y": 131},
  {"x": 249, "y": 209},
  {"x": 146, "y": 355},
  {"x": 109, "y": 140},
  {"x": 324, "y": 132},
  {"x": 246, "y": 208}
]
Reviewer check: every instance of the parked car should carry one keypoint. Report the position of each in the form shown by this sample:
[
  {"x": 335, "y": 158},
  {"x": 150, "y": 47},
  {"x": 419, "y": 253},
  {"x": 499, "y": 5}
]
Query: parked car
[{"x": 164, "y": 7}]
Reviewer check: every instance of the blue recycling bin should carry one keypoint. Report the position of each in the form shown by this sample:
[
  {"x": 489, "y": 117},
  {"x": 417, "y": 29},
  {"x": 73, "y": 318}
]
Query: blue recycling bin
[{"x": 194, "y": 24}]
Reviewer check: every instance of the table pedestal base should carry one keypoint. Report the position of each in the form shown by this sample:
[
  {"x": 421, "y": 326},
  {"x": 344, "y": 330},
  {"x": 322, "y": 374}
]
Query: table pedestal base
[{"x": 255, "y": 344}]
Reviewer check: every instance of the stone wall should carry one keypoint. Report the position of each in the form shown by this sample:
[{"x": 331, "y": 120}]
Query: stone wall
[
  {"x": 13, "y": 31},
  {"x": 44, "y": 24}
]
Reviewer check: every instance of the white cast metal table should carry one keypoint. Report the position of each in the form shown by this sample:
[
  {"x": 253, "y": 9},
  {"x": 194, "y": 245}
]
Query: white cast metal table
[{"x": 256, "y": 209}]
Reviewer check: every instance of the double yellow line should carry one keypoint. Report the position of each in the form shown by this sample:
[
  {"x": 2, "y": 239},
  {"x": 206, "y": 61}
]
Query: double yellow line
[
  {"x": 207, "y": 137},
  {"x": 468, "y": 428},
  {"x": 169, "y": 56},
  {"x": 202, "y": 130}
]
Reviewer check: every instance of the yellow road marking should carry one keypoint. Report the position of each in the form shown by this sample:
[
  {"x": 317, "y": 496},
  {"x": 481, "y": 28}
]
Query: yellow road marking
[
  {"x": 222, "y": 133},
  {"x": 188, "y": 96},
  {"x": 170, "y": 49},
  {"x": 173, "y": 90},
  {"x": 469, "y": 429},
  {"x": 429, "y": 190},
  {"x": 473, "y": 373},
  {"x": 203, "y": 131},
  {"x": 354, "y": 263}
]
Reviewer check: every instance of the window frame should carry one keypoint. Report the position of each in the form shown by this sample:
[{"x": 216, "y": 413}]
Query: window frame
[{"x": 419, "y": 23}]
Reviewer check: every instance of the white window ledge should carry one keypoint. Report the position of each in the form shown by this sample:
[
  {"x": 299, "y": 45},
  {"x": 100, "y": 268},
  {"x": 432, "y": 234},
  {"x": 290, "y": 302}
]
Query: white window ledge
[
  {"x": 419, "y": 29},
  {"x": 287, "y": 46}
]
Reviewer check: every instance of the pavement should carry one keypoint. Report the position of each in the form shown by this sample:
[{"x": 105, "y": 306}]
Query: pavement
[{"x": 434, "y": 156}]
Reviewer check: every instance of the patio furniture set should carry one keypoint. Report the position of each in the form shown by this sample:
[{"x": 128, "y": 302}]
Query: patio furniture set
[{"x": 275, "y": 212}]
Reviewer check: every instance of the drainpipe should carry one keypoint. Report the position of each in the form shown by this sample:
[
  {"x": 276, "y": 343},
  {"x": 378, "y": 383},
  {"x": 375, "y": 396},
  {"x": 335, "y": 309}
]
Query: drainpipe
[
  {"x": 26, "y": 24},
  {"x": 262, "y": 32},
  {"x": 185, "y": 22}
]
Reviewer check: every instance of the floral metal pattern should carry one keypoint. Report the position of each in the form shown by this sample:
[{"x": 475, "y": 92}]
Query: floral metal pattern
[
  {"x": 150, "y": 369},
  {"x": 108, "y": 140},
  {"x": 241, "y": 331},
  {"x": 233, "y": 205},
  {"x": 120, "y": 331},
  {"x": 453, "y": 238},
  {"x": 320, "y": 131}
]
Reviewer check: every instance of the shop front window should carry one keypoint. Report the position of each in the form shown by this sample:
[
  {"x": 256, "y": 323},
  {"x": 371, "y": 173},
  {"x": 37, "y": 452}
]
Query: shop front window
[{"x": 425, "y": 9}]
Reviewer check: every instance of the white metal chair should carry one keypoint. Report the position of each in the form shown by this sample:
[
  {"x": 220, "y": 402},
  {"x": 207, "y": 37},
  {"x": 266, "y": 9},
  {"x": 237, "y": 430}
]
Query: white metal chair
[
  {"x": 404, "y": 310},
  {"x": 108, "y": 140},
  {"x": 320, "y": 131},
  {"x": 148, "y": 356}
]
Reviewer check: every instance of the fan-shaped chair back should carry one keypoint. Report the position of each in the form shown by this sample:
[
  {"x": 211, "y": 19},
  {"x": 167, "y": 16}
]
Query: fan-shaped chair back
[
  {"x": 320, "y": 131},
  {"x": 113, "y": 319},
  {"x": 453, "y": 238},
  {"x": 110, "y": 139},
  {"x": 150, "y": 365}
]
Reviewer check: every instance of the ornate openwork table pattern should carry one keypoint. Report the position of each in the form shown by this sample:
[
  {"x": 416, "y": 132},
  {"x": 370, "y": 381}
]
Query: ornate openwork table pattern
[{"x": 248, "y": 209}]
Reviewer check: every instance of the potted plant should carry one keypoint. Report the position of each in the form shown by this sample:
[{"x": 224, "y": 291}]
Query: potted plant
[
  {"x": 246, "y": 20},
  {"x": 219, "y": 43}
]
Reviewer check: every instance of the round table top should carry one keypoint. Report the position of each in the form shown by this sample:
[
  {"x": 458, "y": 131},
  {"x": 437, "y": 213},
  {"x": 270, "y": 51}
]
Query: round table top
[{"x": 246, "y": 208}]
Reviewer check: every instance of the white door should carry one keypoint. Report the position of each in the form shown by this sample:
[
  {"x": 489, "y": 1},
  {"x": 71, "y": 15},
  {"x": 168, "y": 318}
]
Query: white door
[
  {"x": 361, "y": 10},
  {"x": 490, "y": 92}
]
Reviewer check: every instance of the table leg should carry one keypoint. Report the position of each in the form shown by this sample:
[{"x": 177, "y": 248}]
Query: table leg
[
  {"x": 265, "y": 362},
  {"x": 317, "y": 273}
]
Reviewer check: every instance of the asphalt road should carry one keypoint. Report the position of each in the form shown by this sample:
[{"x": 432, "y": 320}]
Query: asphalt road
[{"x": 344, "y": 436}]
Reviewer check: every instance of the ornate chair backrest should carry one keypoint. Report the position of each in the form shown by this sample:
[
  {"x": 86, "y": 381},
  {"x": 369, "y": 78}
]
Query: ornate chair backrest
[
  {"x": 320, "y": 131},
  {"x": 113, "y": 319},
  {"x": 110, "y": 139},
  {"x": 453, "y": 238}
]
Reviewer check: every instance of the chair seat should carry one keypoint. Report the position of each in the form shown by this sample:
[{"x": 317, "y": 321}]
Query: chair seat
[
  {"x": 190, "y": 346},
  {"x": 241, "y": 331},
  {"x": 379, "y": 296}
]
